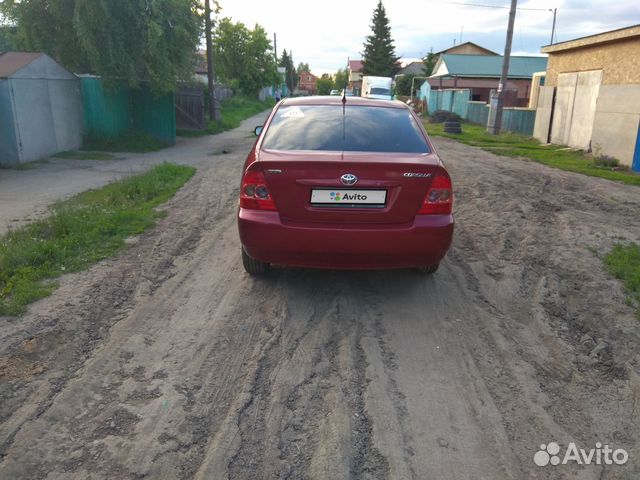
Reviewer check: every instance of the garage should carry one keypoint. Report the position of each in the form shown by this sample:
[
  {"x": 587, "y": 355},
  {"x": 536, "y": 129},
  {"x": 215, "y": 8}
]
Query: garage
[{"x": 40, "y": 108}]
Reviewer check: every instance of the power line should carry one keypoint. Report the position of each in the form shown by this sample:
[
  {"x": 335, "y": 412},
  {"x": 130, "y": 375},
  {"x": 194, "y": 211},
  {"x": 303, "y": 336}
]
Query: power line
[{"x": 484, "y": 5}]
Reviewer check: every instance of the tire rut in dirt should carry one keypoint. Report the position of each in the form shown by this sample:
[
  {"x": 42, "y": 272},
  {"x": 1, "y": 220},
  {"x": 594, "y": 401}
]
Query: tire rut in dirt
[{"x": 282, "y": 424}]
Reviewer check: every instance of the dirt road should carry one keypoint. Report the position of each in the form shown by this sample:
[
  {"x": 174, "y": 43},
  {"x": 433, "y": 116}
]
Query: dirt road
[{"x": 170, "y": 362}]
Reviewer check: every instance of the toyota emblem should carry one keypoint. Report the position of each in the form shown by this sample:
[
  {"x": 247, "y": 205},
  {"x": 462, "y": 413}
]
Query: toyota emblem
[{"x": 348, "y": 179}]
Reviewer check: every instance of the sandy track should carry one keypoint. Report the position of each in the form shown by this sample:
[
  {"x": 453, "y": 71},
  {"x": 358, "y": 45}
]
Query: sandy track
[{"x": 170, "y": 362}]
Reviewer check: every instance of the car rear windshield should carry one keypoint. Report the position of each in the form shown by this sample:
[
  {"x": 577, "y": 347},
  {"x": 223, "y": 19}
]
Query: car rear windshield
[
  {"x": 352, "y": 128},
  {"x": 380, "y": 91}
]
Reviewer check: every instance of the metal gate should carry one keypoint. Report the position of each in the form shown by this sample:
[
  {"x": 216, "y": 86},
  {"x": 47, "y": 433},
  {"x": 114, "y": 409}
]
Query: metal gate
[{"x": 190, "y": 108}]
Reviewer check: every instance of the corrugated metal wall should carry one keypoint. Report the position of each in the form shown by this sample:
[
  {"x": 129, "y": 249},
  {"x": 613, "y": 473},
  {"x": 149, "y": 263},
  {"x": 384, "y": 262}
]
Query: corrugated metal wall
[
  {"x": 8, "y": 146},
  {"x": 461, "y": 102},
  {"x": 154, "y": 114},
  {"x": 66, "y": 109},
  {"x": 34, "y": 119},
  {"x": 451, "y": 100},
  {"x": 519, "y": 120},
  {"x": 109, "y": 112},
  {"x": 478, "y": 112},
  {"x": 38, "y": 118}
]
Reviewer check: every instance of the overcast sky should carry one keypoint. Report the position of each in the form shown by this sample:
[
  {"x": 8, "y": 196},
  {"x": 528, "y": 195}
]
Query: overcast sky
[{"x": 325, "y": 33}]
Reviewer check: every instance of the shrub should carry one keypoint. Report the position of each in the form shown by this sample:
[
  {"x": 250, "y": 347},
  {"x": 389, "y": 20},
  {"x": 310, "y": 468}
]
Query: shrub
[{"x": 606, "y": 161}]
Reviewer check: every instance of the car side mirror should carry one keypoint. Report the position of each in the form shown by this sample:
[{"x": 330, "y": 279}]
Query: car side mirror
[{"x": 258, "y": 130}]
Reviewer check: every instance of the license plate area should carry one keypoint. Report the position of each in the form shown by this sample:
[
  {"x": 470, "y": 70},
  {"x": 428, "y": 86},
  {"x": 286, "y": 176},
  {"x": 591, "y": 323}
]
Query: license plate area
[{"x": 338, "y": 197}]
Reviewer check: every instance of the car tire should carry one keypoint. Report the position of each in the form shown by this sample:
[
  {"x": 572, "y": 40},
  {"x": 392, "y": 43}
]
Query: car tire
[
  {"x": 253, "y": 266},
  {"x": 429, "y": 270}
]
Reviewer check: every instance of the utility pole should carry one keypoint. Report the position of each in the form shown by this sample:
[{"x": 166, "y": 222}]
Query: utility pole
[
  {"x": 293, "y": 68},
  {"x": 553, "y": 28},
  {"x": 275, "y": 48},
  {"x": 497, "y": 99},
  {"x": 276, "y": 85},
  {"x": 214, "y": 110}
]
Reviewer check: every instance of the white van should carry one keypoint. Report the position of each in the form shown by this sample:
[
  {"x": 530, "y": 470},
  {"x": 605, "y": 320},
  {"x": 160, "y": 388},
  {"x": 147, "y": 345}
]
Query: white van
[{"x": 377, "y": 87}]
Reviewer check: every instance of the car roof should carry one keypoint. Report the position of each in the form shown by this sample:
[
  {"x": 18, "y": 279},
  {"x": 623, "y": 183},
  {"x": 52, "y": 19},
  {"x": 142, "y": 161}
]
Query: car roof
[{"x": 335, "y": 100}]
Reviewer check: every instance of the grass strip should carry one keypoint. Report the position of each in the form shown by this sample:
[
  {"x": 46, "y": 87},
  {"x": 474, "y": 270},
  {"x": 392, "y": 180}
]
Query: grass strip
[
  {"x": 85, "y": 155},
  {"x": 521, "y": 146},
  {"x": 131, "y": 141},
  {"x": 232, "y": 112},
  {"x": 81, "y": 231},
  {"x": 623, "y": 262}
]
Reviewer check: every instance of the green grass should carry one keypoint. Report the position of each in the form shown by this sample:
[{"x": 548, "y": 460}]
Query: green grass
[
  {"x": 232, "y": 112},
  {"x": 81, "y": 231},
  {"x": 28, "y": 165},
  {"x": 85, "y": 155},
  {"x": 25, "y": 166},
  {"x": 514, "y": 145},
  {"x": 623, "y": 261},
  {"x": 131, "y": 141}
]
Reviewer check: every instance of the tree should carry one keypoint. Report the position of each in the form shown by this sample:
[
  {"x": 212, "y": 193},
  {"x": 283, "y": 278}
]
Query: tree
[
  {"x": 134, "y": 41},
  {"x": 243, "y": 57},
  {"x": 341, "y": 78},
  {"x": 47, "y": 26},
  {"x": 429, "y": 62},
  {"x": 379, "y": 56},
  {"x": 303, "y": 67},
  {"x": 7, "y": 38},
  {"x": 325, "y": 84},
  {"x": 403, "y": 84},
  {"x": 291, "y": 77}
]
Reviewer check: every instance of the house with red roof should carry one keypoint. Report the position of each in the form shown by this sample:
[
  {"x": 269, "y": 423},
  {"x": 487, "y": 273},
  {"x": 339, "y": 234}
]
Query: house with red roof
[
  {"x": 308, "y": 83},
  {"x": 355, "y": 76}
]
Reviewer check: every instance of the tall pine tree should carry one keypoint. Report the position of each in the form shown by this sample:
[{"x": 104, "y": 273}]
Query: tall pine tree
[
  {"x": 379, "y": 56},
  {"x": 291, "y": 77}
]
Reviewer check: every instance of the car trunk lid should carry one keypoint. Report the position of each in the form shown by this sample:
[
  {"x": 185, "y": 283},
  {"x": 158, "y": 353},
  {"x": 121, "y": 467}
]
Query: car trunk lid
[{"x": 292, "y": 177}]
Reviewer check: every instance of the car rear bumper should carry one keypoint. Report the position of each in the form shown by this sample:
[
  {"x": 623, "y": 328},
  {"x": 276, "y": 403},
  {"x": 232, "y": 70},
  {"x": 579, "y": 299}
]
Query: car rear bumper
[{"x": 268, "y": 238}]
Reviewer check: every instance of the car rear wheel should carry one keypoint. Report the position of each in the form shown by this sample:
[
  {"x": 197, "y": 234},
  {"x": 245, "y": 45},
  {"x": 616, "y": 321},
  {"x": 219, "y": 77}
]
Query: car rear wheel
[
  {"x": 253, "y": 266},
  {"x": 429, "y": 270}
]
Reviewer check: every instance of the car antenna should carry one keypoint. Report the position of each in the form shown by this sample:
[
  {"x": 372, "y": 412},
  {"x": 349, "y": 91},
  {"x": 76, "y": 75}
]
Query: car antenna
[
  {"x": 344, "y": 90},
  {"x": 344, "y": 104},
  {"x": 344, "y": 121}
]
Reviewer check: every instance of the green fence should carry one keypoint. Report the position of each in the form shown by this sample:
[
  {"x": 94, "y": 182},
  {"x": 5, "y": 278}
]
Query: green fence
[
  {"x": 109, "y": 112},
  {"x": 461, "y": 102},
  {"x": 450, "y": 100},
  {"x": 478, "y": 112},
  {"x": 520, "y": 120},
  {"x": 154, "y": 114}
]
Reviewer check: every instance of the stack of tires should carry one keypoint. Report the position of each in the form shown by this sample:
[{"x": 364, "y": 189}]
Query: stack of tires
[{"x": 452, "y": 126}]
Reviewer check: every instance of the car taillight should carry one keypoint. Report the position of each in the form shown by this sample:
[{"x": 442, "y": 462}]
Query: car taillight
[
  {"x": 254, "y": 194},
  {"x": 439, "y": 198}
]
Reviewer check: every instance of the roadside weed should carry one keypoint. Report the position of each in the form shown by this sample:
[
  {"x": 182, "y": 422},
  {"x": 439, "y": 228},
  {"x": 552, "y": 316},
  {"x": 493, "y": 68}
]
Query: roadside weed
[{"x": 81, "y": 231}]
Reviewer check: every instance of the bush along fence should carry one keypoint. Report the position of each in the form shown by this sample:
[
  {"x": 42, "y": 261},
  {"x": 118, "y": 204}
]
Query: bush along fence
[{"x": 519, "y": 120}]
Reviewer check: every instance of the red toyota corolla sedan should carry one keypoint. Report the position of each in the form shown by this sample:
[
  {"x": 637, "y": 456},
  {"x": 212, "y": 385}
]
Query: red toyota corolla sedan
[{"x": 344, "y": 182}]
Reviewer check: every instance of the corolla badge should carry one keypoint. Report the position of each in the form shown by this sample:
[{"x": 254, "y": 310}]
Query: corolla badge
[
  {"x": 348, "y": 179},
  {"x": 416, "y": 174}
]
